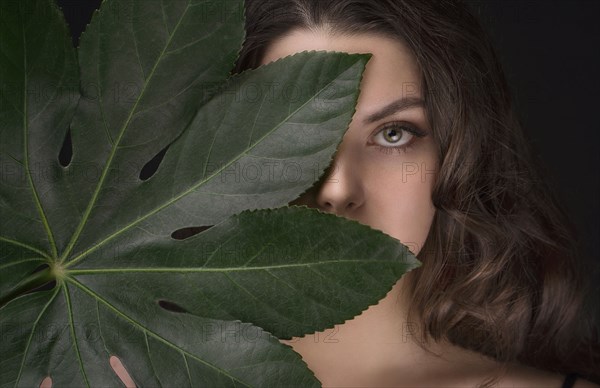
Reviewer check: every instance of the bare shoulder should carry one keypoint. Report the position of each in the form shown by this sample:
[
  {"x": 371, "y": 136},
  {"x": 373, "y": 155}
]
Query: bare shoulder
[
  {"x": 478, "y": 370},
  {"x": 581, "y": 383},
  {"x": 525, "y": 376}
]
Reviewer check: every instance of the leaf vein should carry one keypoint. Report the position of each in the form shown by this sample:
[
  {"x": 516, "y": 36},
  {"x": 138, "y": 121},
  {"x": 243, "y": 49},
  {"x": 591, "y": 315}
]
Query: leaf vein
[
  {"x": 187, "y": 369},
  {"x": 137, "y": 51},
  {"x": 221, "y": 269},
  {"x": 188, "y": 87},
  {"x": 193, "y": 187},
  {"x": 192, "y": 43},
  {"x": 32, "y": 333},
  {"x": 164, "y": 16},
  {"x": 73, "y": 334},
  {"x": 2, "y": 267},
  {"x": 245, "y": 290},
  {"x": 34, "y": 192},
  {"x": 51, "y": 99},
  {"x": 100, "y": 328},
  {"x": 145, "y": 330},
  {"x": 23, "y": 245},
  {"x": 217, "y": 249},
  {"x": 304, "y": 294},
  {"x": 150, "y": 358},
  {"x": 108, "y": 164}
]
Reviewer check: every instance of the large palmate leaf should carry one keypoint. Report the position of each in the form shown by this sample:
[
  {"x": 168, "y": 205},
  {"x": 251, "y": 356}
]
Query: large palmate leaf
[{"x": 103, "y": 231}]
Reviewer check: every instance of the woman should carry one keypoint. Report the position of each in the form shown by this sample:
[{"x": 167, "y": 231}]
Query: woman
[{"x": 435, "y": 157}]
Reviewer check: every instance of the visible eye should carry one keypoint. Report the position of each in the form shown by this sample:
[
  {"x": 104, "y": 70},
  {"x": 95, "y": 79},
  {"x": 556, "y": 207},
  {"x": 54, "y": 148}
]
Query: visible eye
[{"x": 396, "y": 135}]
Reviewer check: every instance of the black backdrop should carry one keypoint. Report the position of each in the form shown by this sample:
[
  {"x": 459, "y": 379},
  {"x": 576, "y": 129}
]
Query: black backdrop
[{"x": 551, "y": 56}]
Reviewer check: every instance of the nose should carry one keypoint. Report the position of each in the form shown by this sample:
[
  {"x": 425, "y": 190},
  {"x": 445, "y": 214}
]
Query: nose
[{"x": 341, "y": 191}]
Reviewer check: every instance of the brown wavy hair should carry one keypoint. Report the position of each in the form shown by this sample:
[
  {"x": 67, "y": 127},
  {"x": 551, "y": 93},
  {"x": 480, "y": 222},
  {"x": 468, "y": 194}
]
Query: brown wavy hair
[{"x": 501, "y": 273}]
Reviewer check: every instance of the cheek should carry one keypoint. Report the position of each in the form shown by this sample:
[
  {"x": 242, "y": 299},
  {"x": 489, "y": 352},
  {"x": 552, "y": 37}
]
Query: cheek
[
  {"x": 408, "y": 215},
  {"x": 400, "y": 199}
]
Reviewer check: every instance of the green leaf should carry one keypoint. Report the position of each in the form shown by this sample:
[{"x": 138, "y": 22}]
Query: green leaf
[
  {"x": 146, "y": 67},
  {"x": 287, "y": 270},
  {"x": 38, "y": 94},
  {"x": 17, "y": 265},
  {"x": 185, "y": 350},
  {"x": 241, "y": 267},
  {"x": 238, "y": 153},
  {"x": 89, "y": 264}
]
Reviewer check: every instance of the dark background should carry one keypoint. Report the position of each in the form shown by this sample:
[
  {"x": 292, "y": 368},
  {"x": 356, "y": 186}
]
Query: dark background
[
  {"x": 551, "y": 57},
  {"x": 550, "y": 53}
]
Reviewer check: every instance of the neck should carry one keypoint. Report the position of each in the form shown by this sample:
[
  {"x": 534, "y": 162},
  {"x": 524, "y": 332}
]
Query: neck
[{"x": 381, "y": 345}]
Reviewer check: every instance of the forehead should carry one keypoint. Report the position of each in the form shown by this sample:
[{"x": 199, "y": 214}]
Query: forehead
[{"x": 391, "y": 73}]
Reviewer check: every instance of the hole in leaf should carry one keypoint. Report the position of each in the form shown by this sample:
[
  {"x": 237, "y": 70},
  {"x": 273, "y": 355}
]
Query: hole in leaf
[
  {"x": 66, "y": 151},
  {"x": 46, "y": 383},
  {"x": 170, "y": 306},
  {"x": 183, "y": 233},
  {"x": 151, "y": 167},
  {"x": 121, "y": 372}
]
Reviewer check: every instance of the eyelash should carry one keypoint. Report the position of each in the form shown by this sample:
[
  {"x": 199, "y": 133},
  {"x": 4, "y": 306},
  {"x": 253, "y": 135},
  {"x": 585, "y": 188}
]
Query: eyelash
[{"x": 400, "y": 127}]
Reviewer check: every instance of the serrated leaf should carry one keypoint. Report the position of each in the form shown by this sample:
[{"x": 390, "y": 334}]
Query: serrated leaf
[
  {"x": 238, "y": 153},
  {"x": 146, "y": 67},
  {"x": 288, "y": 270}
]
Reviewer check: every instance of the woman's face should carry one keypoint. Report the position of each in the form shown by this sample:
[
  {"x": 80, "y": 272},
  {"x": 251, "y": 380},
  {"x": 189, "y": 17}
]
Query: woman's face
[{"x": 384, "y": 170}]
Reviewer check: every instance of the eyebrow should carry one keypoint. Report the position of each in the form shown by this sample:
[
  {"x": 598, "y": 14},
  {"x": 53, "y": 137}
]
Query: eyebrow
[{"x": 395, "y": 107}]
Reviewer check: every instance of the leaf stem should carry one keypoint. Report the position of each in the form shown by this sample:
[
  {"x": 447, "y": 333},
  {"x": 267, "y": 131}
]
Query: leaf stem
[
  {"x": 20, "y": 244},
  {"x": 34, "y": 192},
  {"x": 29, "y": 284}
]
